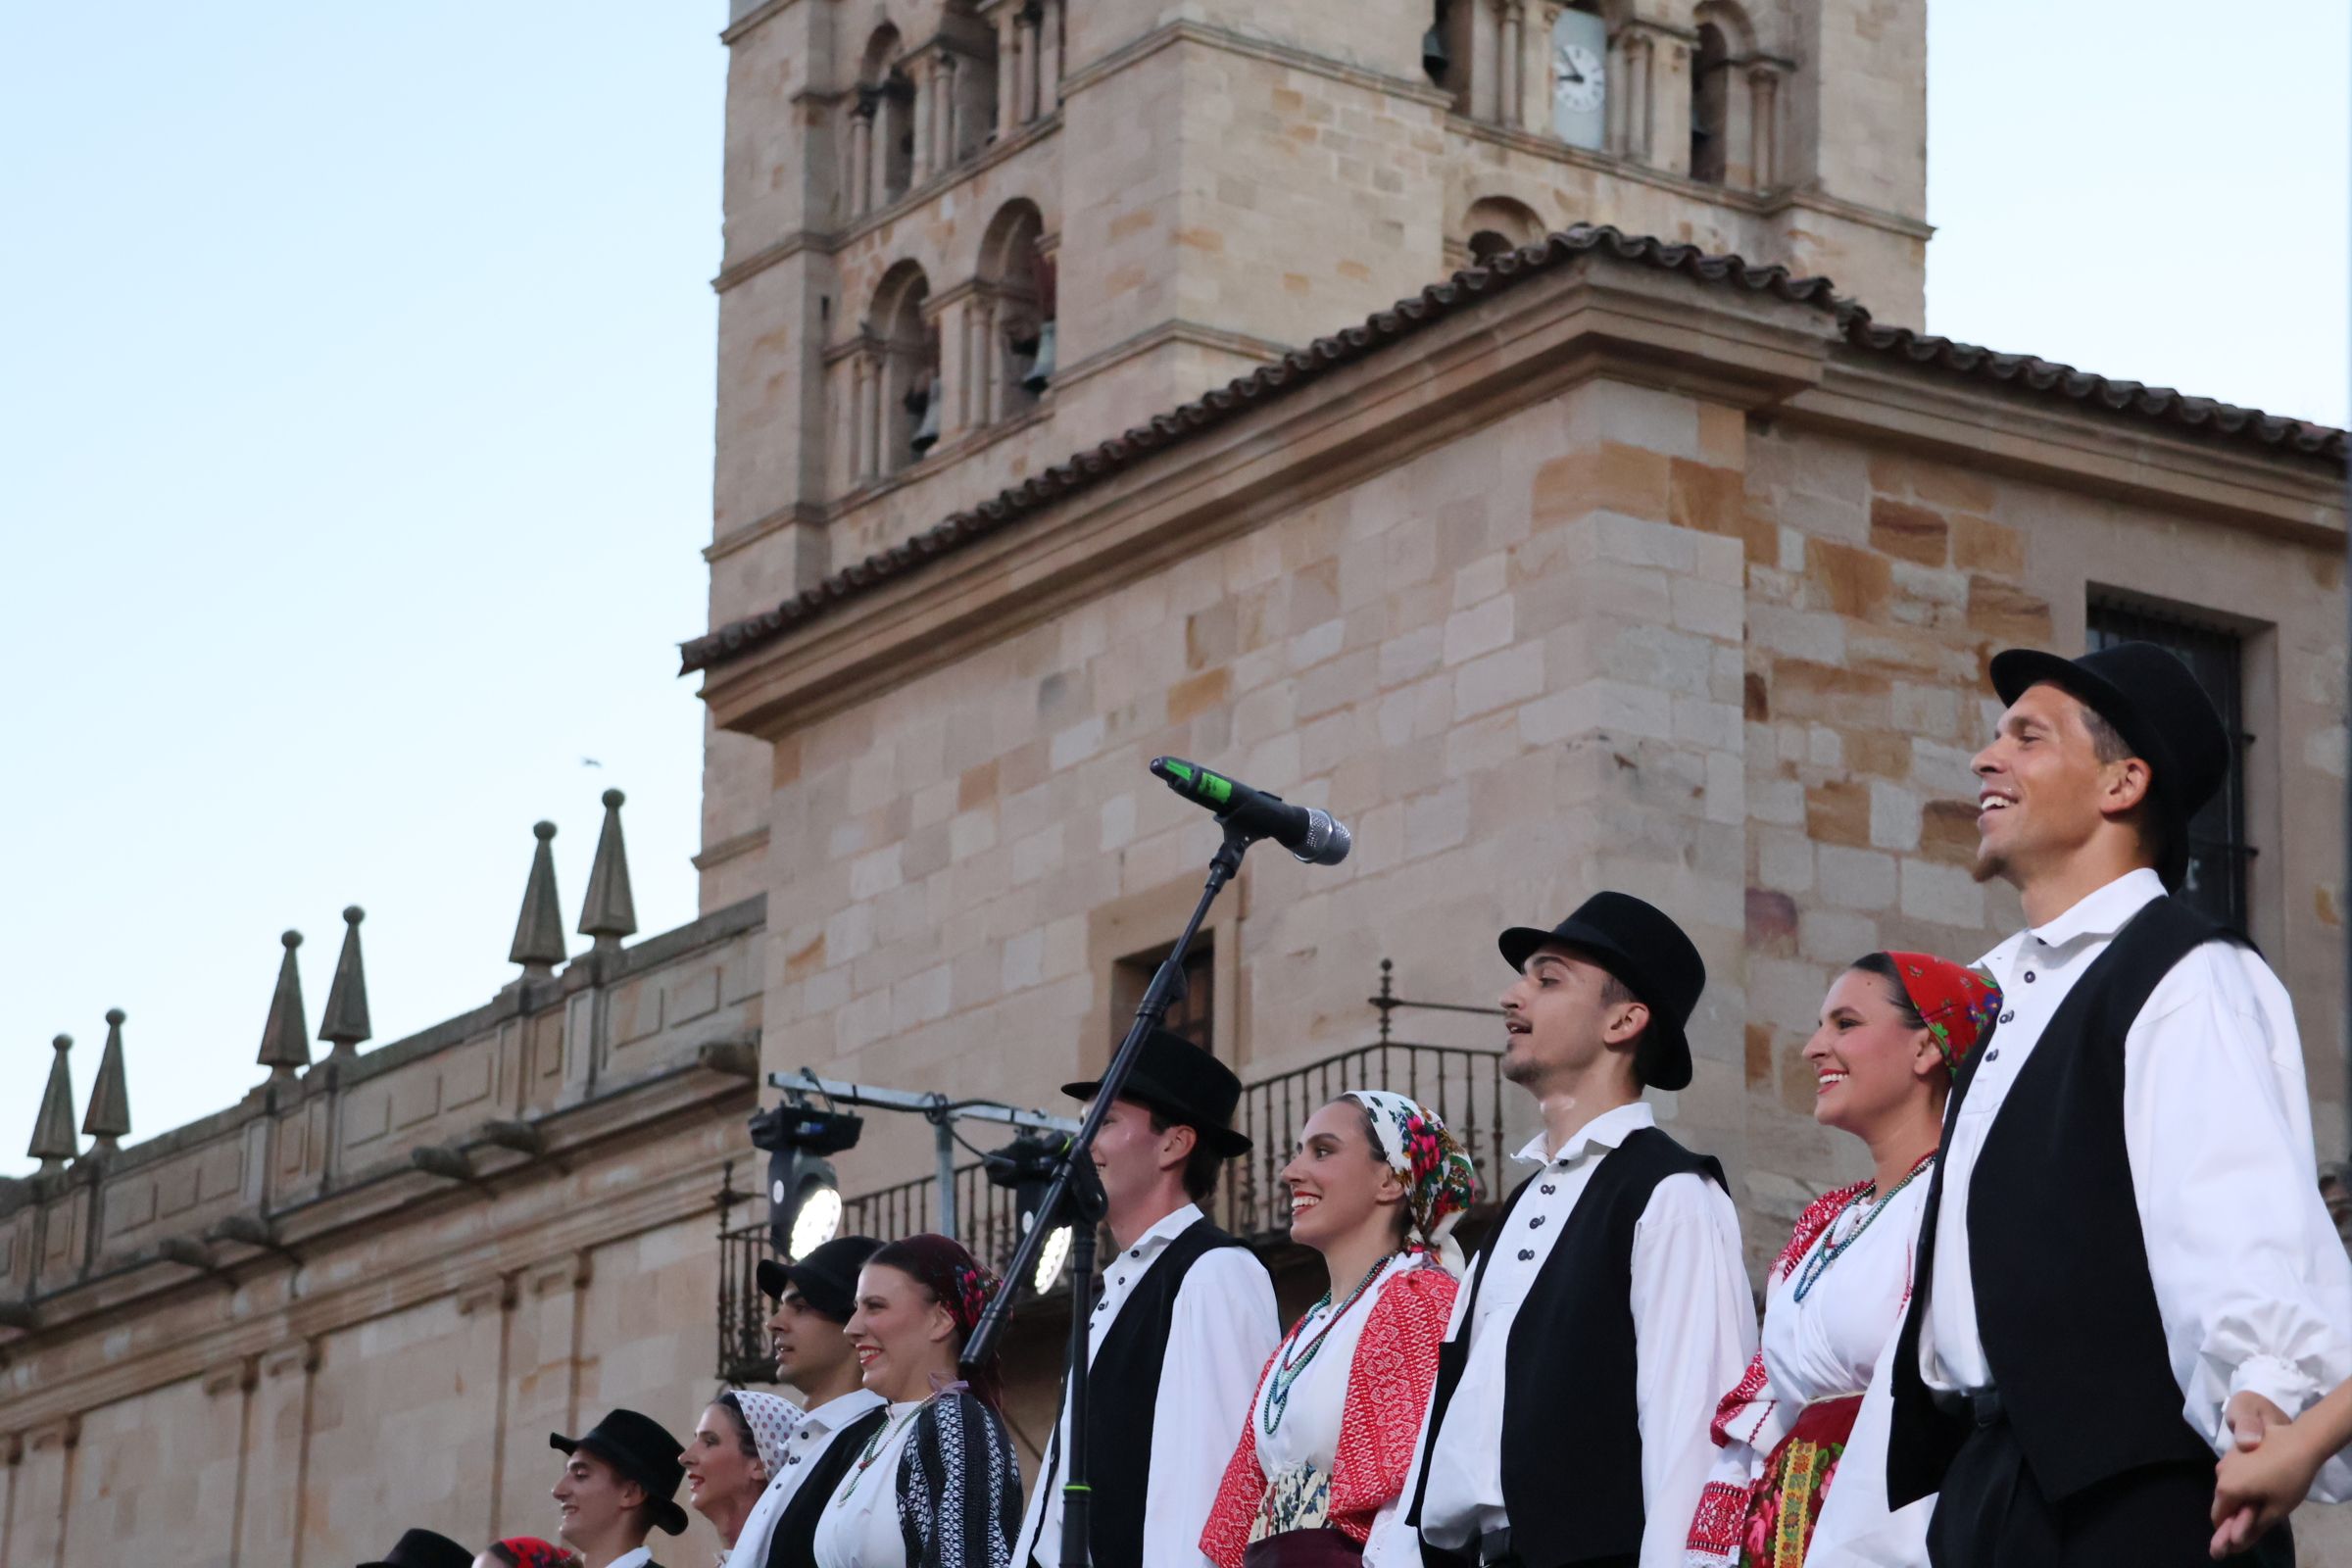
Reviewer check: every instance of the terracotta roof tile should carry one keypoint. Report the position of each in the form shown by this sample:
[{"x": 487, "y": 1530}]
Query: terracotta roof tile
[{"x": 1434, "y": 304}]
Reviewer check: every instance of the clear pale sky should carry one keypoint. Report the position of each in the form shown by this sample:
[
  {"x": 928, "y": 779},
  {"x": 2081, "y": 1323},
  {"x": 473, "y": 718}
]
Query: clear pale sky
[{"x": 356, "y": 379}]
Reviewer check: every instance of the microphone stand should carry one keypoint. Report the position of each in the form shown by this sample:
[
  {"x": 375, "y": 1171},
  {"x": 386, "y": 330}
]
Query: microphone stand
[{"x": 1075, "y": 1198}]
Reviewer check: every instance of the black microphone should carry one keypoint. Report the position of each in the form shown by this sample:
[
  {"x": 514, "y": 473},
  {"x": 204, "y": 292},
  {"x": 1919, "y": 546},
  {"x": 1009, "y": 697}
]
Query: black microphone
[{"x": 1310, "y": 834}]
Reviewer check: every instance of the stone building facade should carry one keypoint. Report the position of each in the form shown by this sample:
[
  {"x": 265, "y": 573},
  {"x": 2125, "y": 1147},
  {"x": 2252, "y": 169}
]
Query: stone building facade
[{"x": 1612, "y": 560}]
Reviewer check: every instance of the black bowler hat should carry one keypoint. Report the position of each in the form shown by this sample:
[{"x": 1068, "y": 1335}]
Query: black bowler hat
[
  {"x": 2155, "y": 703},
  {"x": 827, "y": 1278},
  {"x": 1644, "y": 948},
  {"x": 421, "y": 1549},
  {"x": 1183, "y": 1084},
  {"x": 641, "y": 1449}
]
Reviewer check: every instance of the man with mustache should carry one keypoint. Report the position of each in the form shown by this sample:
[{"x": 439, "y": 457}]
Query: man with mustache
[{"x": 2124, "y": 1265}]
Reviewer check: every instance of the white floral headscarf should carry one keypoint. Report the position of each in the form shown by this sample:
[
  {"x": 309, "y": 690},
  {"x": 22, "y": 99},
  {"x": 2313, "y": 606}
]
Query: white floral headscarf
[{"x": 1440, "y": 1178}]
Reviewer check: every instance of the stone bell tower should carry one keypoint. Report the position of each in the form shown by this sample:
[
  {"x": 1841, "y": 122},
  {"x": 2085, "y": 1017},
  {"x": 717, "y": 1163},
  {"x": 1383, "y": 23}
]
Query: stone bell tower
[{"x": 966, "y": 238}]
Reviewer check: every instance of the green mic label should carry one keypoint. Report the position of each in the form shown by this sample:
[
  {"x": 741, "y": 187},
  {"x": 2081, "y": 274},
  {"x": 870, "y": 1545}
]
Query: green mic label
[{"x": 1219, "y": 789}]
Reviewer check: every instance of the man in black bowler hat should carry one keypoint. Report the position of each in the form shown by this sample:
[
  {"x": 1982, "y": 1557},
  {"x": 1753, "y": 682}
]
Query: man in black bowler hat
[
  {"x": 2124, "y": 1265},
  {"x": 815, "y": 1298},
  {"x": 619, "y": 1483},
  {"x": 1609, "y": 1308},
  {"x": 1184, "y": 1325},
  {"x": 422, "y": 1548}
]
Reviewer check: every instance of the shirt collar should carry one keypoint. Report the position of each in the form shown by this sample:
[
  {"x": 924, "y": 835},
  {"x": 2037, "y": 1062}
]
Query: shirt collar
[
  {"x": 2104, "y": 912},
  {"x": 1608, "y": 1129},
  {"x": 839, "y": 1412},
  {"x": 639, "y": 1559},
  {"x": 1169, "y": 1227}
]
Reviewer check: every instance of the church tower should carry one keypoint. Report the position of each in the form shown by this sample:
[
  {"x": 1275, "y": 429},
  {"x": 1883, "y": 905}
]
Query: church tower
[{"x": 966, "y": 238}]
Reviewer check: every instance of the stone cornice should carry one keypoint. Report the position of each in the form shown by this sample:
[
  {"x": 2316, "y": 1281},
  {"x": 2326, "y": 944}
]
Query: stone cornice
[
  {"x": 1588, "y": 320},
  {"x": 2082, "y": 449},
  {"x": 735, "y": 30},
  {"x": 1081, "y": 77}
]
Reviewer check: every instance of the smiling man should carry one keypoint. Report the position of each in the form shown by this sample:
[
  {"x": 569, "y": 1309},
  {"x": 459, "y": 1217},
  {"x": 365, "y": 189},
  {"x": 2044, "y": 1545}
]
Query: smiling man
[
  {"x": 2125, "y": 1264},
  {"x": 1184, "y": 1325},
  {"x": 815, "y": 1298},
  {"x": 1609, "y": 1307},
  {"x": 619, "y": 1483}
]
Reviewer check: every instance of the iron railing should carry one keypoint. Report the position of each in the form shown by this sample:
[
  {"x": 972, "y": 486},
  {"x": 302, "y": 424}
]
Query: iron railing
[{"x": 1463, "y": 1086}]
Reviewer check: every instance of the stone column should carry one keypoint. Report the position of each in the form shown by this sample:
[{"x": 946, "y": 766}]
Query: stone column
[
  {"x": 952, "y": 136},
  {"x": 1534, "y": 66},
  {"x": 923, "y": 77},
  {"x": 1670, "y": 90},
  {"x": 1030, "y": 16},
  {"x": 1511, "y": 71},
  {"x": 1763, "y": 126},
  {"x": 1008, "y": 53},
  {"x": 989, "y": 370},
  {"x": 953, "y": 323},
  {"x": 1048, "y": 46},
  {"x": 229, "y": 1385},
  {"x": 857, "y": 442},
  {"x": 276, "y": 1454},
  {"x": 861, "y": 154},
  {"x": 540, "y": 1385},
  {"x": 1485, "y": 56},
  {"x": 1638, "y": 52}
]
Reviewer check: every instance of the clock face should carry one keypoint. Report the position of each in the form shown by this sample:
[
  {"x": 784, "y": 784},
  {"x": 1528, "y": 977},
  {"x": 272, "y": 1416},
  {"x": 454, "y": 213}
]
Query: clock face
[{"x": 1577, "y": 82}]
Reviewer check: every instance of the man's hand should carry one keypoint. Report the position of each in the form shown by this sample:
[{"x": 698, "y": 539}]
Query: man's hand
[
  {"x": 2250, "y": 1416},
  {"x": 2260, "y": 1484}
]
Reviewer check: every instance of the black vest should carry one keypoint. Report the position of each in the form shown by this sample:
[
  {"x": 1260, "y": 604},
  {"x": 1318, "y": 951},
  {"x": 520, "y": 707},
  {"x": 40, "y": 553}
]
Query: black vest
[
  {"x": 1573, "y": 1487},
  {"x": 2065, "y": 1305},
  {"x": 793, "y": 1544},
  {"x": 1122, "y": 1388}
]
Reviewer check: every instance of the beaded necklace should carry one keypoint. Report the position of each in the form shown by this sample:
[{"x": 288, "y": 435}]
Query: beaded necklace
[
  {"x": 1831, "y": 1249},
  {"x": 1287, "y": 1370},
  {"x": 874, "y": 1444}
]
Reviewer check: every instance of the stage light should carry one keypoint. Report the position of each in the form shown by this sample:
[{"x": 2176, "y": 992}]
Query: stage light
[
  {"x": 1051, "y": 1259},
  {"x": 803, "y": 1196},
  {"x": 1027, "y": 1167}
]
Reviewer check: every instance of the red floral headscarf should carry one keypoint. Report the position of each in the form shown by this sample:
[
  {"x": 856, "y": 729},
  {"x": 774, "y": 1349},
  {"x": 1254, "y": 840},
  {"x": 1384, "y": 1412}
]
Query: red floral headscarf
[
  {"x": 529, "y": 1551},
  {"x": 959, "y": 1283},
  {"x": 1956, "y": 1003}
]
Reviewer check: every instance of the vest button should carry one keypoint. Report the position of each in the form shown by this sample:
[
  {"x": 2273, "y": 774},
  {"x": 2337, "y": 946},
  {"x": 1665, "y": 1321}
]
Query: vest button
[
  {"x": 1535, "y": 1224},
  {"x": 1527, "y": 1254},
  {"x": 1549, "y": 1188},
  {"x": 2028, "y": 977},
  {"x": 2006, "y": 1016},
  {"x": 1994, "y": 1054}
]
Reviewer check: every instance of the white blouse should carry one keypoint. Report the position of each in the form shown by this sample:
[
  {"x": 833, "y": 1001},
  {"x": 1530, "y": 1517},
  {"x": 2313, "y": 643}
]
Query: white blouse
[
  {"x": 1826, "y": 1347},
  {"x": 860, "y": 1527}
]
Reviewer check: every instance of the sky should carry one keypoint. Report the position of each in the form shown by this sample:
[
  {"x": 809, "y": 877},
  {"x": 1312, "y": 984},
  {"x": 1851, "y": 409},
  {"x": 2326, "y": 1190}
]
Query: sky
[{"x": 356, "y": 409}]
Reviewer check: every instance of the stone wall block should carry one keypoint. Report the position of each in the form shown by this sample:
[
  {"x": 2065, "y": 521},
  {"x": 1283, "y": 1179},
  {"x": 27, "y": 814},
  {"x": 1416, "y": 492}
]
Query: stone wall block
[
  {"x": 1979, "y": 544},
  {"x": 1909, "y": 533},
  {"x": 2007, "y": 613},
  {"x": 1846, "y": 579},
  {"x": 1838, "y": 811}
]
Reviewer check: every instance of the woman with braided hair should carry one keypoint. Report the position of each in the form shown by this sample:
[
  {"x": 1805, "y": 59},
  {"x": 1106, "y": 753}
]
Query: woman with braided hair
[
  {"x": 939, "y": 1484},
  {"x": 1376, "y": 1186},
  {"x": 1895, "y": 1028}
]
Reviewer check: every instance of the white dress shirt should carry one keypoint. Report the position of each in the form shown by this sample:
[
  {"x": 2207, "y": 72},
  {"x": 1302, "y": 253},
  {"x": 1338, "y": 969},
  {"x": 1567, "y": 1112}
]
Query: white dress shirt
[
  {"x": 1225, "y": 1326},
  {"x": 2250, "y": 1277},
  {"x": 811, "y": 1438},
  {"x": 1695, "y": 1328}
]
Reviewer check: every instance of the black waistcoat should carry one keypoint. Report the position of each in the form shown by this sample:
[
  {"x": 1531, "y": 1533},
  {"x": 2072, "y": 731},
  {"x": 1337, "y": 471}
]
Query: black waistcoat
[
  {"x": 1121, "y": 1388},
  {"x": 2065, "y": 1305},
  {"x": 1571, "y": 1421},
  {"x": 793, "y": 1544}
]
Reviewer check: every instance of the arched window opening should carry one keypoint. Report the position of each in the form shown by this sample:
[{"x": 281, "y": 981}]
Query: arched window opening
[
  {"x": 1018, "y": 328},
  {"x": 881, "y": 127},
  {"x": 1710, "y": 119},
  {"x": 911, "y": 404},
  {"x": 1496, "y": 225}
]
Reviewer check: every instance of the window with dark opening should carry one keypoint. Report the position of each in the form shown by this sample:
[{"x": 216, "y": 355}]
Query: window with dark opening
[{"x": 1192, "y": 1015}]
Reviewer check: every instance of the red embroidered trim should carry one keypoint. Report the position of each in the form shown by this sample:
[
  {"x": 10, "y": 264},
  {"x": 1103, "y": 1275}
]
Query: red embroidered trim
[
  {"x": 1715, "y": 1528},
  {"x": 1818, "y": 1216}
]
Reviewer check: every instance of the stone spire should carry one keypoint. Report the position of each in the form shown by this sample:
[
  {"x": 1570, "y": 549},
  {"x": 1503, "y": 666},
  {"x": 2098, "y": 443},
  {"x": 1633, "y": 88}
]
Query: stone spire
[
  {"x": 286, "y": 1037},
  {"x": 53, "y": 1140},
  {"x": 610, "y": 914},
  {"x": 109, "y": 1116},
  {"x": 539, "y": 933},
  {"x": 345, "y": 1022}
]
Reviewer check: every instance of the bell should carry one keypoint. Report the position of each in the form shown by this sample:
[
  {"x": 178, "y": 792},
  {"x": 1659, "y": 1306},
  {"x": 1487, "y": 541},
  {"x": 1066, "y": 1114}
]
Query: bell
[
  {"x": 1435, "y": 57},
  {"x": 926, "y": 433},
  {"x": 1040, "y": 370}
]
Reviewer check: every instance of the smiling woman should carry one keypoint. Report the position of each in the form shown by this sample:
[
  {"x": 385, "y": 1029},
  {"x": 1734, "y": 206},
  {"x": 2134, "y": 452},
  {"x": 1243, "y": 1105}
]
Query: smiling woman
[{"x": 1895, "y": 1028}]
